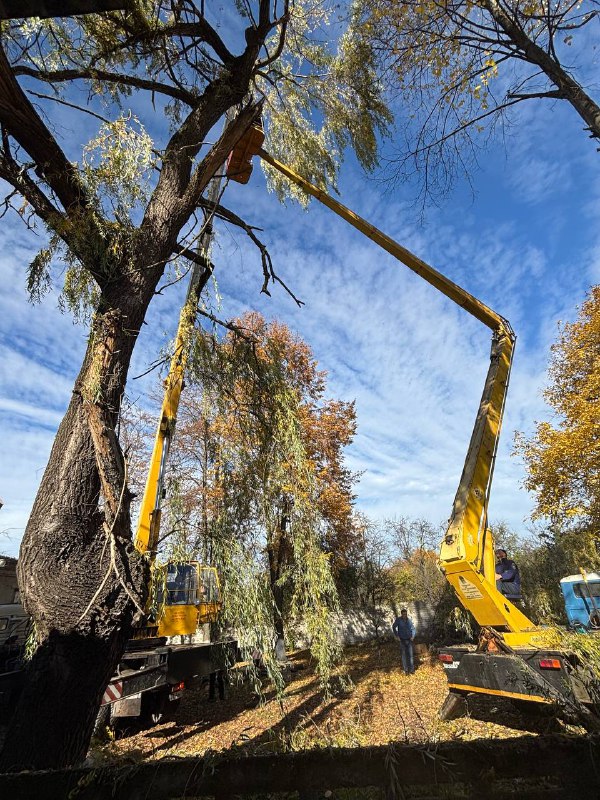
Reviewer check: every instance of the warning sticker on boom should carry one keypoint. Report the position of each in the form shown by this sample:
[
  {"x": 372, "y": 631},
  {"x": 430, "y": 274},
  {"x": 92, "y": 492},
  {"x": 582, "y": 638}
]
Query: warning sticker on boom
[{"x": 470, "y": 591}]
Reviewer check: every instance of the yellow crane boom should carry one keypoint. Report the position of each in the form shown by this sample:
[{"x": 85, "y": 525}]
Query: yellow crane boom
[
  {"x": 467, "y": 550},
  {"x": 146, "y": 538},
  {"x": 190, "y": 591}
]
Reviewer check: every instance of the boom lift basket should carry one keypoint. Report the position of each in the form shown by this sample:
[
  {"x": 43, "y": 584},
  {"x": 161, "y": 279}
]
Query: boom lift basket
[{"x": 239, "y": 163}]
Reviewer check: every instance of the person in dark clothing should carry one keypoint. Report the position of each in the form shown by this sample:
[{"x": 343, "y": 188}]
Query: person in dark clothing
[
  {"x": 404, "y": 629},
  {"x": 508, "y": 580},
  {"x": 216, "y": 681}
]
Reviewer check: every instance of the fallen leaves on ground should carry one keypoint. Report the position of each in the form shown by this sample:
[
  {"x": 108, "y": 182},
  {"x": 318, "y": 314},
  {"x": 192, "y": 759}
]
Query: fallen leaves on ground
[{"x": 378, "y": 705}]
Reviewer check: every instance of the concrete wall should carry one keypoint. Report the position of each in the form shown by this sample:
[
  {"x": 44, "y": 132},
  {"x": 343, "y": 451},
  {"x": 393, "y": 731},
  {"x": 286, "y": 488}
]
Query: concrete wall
[
  {"x": 360, "y": 625},
  {"x": 8, "y": 580}
]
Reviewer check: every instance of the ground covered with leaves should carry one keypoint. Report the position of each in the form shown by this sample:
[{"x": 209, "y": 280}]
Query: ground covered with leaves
[{"x": 372, "y": 703}]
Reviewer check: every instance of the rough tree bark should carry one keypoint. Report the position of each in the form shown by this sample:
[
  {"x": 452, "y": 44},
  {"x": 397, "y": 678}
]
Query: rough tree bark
[{"x": 81, "y": 579}]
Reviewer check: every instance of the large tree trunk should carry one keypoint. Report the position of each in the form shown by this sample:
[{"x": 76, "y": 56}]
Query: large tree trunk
[
  {"x": 278, "y": 551},
  {"x": 568, "y": 88},
  {"x": 81, "y": 579}
]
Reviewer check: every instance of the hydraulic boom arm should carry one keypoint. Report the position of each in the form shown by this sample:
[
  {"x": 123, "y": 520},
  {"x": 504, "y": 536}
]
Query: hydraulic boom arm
[
  {"x": 467, "y": 551},
  {"x": 146, "y": 538},
  {"x": 187, "y": 592}
]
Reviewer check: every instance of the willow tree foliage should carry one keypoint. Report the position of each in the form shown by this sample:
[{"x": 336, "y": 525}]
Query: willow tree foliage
[
  {"x": 263, "y": 491},
  {"x": 118, "y": 211},
  {"x": 563, "y": 456},
  {"x": 458, "y": 66}
]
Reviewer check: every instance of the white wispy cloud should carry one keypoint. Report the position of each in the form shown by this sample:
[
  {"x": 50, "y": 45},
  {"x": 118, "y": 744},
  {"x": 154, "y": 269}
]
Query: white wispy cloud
[{"x": 414, "y": 362}]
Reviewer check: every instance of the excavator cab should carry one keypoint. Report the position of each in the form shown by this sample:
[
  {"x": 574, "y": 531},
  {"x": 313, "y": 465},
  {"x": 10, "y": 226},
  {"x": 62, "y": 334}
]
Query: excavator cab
[{"x": 190, "y": 595}]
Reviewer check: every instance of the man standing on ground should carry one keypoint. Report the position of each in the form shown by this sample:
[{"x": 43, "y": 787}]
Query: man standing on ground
[{"x": 404, "y": 629}]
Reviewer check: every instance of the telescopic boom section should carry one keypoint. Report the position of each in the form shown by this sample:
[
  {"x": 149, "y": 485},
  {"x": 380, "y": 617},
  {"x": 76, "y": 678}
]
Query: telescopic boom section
[
  {"x": 467, "y": 551},
  {"x": 146, "y": 538}
]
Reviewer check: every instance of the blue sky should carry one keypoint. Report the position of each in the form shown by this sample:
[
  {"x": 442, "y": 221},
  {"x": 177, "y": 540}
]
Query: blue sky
[{"x": 527, "y": 244}]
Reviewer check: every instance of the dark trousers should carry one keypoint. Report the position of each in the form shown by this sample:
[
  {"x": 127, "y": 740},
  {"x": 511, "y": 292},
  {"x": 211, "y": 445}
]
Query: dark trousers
[
  {"x": 509, "y": 589},
  {"x": 408, "y": 659},
  {"x": 216, "y": 681}
]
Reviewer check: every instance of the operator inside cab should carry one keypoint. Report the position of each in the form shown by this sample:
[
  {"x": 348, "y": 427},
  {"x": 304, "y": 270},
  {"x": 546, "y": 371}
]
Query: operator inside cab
[{"x": 508, "y": 580}]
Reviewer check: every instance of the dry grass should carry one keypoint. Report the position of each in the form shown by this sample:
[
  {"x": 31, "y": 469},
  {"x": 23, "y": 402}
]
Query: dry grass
[{"x": 380, "y": 705}]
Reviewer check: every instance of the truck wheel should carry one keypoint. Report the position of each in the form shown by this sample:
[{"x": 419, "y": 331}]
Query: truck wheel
[
  {"x": 102, "y": 722},
  {"x": 453, "y": 707},
  {"x": 153, "y": 708}
]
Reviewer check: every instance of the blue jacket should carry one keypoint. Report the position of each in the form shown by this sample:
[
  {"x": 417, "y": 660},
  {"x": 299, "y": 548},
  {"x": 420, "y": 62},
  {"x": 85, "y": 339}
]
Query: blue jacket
[
  {"x": 509, "y": 573},
  {"x": 403, "y": 628}
]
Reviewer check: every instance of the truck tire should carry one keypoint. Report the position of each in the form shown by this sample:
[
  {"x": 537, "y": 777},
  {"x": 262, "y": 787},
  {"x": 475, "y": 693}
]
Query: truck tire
[
  {"x": 154, "y": 708},
  {"x": 102, "y": 722},
  {"x": 453, "y": 707}
]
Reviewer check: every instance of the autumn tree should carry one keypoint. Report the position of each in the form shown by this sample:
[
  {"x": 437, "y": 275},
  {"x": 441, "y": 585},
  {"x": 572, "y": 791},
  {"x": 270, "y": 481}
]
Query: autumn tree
[
  {"x": 415, "y": 569},
  {"x": 459, "y": 66},
  {"x": 259, "y": 462},
  {"x": 563, "y": 456},
  {"x": 118, "y": 214},
  {"x": 366, "y": 581}
]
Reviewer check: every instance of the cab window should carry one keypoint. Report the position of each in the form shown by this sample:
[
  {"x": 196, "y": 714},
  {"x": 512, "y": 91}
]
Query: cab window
[{"x": 181, "y": 584}]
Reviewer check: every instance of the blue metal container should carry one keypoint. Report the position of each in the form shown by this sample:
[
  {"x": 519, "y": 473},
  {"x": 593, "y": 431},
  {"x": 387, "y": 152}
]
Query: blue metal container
[{"x": 582, "y": 600}]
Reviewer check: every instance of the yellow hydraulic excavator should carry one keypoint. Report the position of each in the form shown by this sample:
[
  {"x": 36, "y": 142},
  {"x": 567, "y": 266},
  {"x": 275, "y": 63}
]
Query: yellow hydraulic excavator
[{"x": 508, "y": 660}]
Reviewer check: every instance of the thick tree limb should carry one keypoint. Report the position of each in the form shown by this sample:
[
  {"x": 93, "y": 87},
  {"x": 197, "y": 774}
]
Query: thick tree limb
[
  {"x": 16, "y": 9},
  {"x": 198, "y": 259},
  {"x": 555, "y": 95},
  {"x": 587, "y": 109},
  {"x": 25, "y": 126},
  {"x": 91, "y": 74},
  {"x": 151, "y": 38},
  {"x": 202, "y": 30},
  {"x": 230, "y": 326},
  {"x": 233, "y": 132}
]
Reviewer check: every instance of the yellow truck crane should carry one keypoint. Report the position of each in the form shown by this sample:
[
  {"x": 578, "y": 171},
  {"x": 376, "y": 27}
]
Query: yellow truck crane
[{"x": 508, "y": 660}]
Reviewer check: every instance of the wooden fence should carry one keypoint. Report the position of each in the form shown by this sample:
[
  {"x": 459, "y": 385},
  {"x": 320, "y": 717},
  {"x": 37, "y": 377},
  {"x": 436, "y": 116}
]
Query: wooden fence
[{"x": 528, "y": 768}]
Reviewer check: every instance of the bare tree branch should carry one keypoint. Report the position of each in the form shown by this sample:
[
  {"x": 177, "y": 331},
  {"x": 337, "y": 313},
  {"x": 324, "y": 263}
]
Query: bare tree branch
[
  {"x": 269, "y": 273},
  {"x": 92, "y": 74},
  {"x": 554, "y": 95}
]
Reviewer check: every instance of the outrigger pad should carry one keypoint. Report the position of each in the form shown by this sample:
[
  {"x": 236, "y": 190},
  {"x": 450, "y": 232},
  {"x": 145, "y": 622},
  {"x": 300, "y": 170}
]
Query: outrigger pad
[{"x": 453, "y": 707}]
